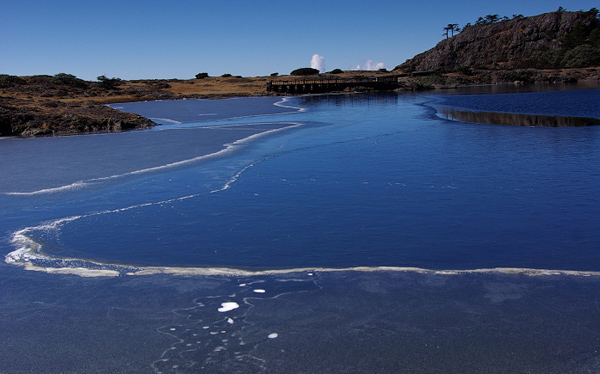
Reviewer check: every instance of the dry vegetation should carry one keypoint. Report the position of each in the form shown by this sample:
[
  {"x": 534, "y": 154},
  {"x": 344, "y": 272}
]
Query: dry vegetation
[
  {"x": 63, "y": 104},
  {"x": 210, "y": 87}
]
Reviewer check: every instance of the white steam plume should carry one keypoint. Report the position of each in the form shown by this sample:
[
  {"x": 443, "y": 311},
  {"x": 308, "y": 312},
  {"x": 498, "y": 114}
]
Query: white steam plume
[
  {"x": 318, "y": 62},
  {"x": 370, "y": 65}
]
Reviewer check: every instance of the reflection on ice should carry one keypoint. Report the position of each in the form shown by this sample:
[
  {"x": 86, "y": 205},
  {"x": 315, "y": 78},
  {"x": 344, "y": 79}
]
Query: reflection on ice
[{"x": 517, "y": 119}]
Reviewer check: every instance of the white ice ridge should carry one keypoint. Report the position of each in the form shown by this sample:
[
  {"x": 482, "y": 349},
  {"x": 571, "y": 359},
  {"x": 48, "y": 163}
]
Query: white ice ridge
[
  {"x": 72, "y": 186},
  {"x": 168, "y": 120},
  {"x": 185, "y": 271},
  {"x": 281, "y": 104},
  {"x": 252, "y": 137},
  {"x": 228, "y": 148},
  {"x": 23, "y": 256},
  {"x": 28, "y": 251}
]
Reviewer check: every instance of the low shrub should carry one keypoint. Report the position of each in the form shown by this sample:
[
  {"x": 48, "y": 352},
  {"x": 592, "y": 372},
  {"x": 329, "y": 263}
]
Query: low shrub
[
  {"x": 67, "y": 80},
  {"x": 305, "y": 71},
  {"x": 582, "y": 56},
  {"x": 108, "y": 83}
]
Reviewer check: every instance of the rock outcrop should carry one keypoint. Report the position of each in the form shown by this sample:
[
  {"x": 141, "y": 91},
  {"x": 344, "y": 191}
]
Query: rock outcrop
[
  {"x": 23, "y": 121},
  {"x": 506, "y": 44},
  {"x": 60, "y": 105}
]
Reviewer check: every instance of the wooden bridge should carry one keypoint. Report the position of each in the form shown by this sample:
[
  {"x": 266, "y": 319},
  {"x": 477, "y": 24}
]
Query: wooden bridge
[{"x": 321, "y": 85}]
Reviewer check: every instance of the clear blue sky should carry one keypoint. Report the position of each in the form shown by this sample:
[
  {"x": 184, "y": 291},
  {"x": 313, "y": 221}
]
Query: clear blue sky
[{"x": 178, "y": 39}]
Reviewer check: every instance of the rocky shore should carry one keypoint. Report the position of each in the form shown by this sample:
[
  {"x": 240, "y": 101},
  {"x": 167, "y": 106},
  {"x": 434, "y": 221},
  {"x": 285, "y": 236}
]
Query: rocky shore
[{"x": 444, "y": 80}]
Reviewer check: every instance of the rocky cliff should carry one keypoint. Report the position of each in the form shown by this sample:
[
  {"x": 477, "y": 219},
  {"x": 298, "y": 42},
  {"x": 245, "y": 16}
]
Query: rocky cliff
[{"x": 510, "y": 44}]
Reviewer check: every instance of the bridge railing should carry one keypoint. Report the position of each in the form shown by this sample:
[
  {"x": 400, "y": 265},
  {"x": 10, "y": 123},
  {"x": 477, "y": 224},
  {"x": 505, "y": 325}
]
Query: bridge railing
[{"x": 304, "y": 85}]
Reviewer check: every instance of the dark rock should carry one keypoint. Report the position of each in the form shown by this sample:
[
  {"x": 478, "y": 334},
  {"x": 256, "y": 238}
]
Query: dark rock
[{"x": 15, "y": 121}]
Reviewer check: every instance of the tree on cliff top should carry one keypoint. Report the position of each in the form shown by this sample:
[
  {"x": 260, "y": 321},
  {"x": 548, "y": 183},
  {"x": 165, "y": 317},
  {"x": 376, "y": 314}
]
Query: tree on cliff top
[{"x": 452, "y": 27}]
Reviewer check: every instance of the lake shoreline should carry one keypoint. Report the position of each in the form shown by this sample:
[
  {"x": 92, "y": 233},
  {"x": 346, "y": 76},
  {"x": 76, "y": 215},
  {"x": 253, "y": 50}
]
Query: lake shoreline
[{"x": 42, "y": 106}]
